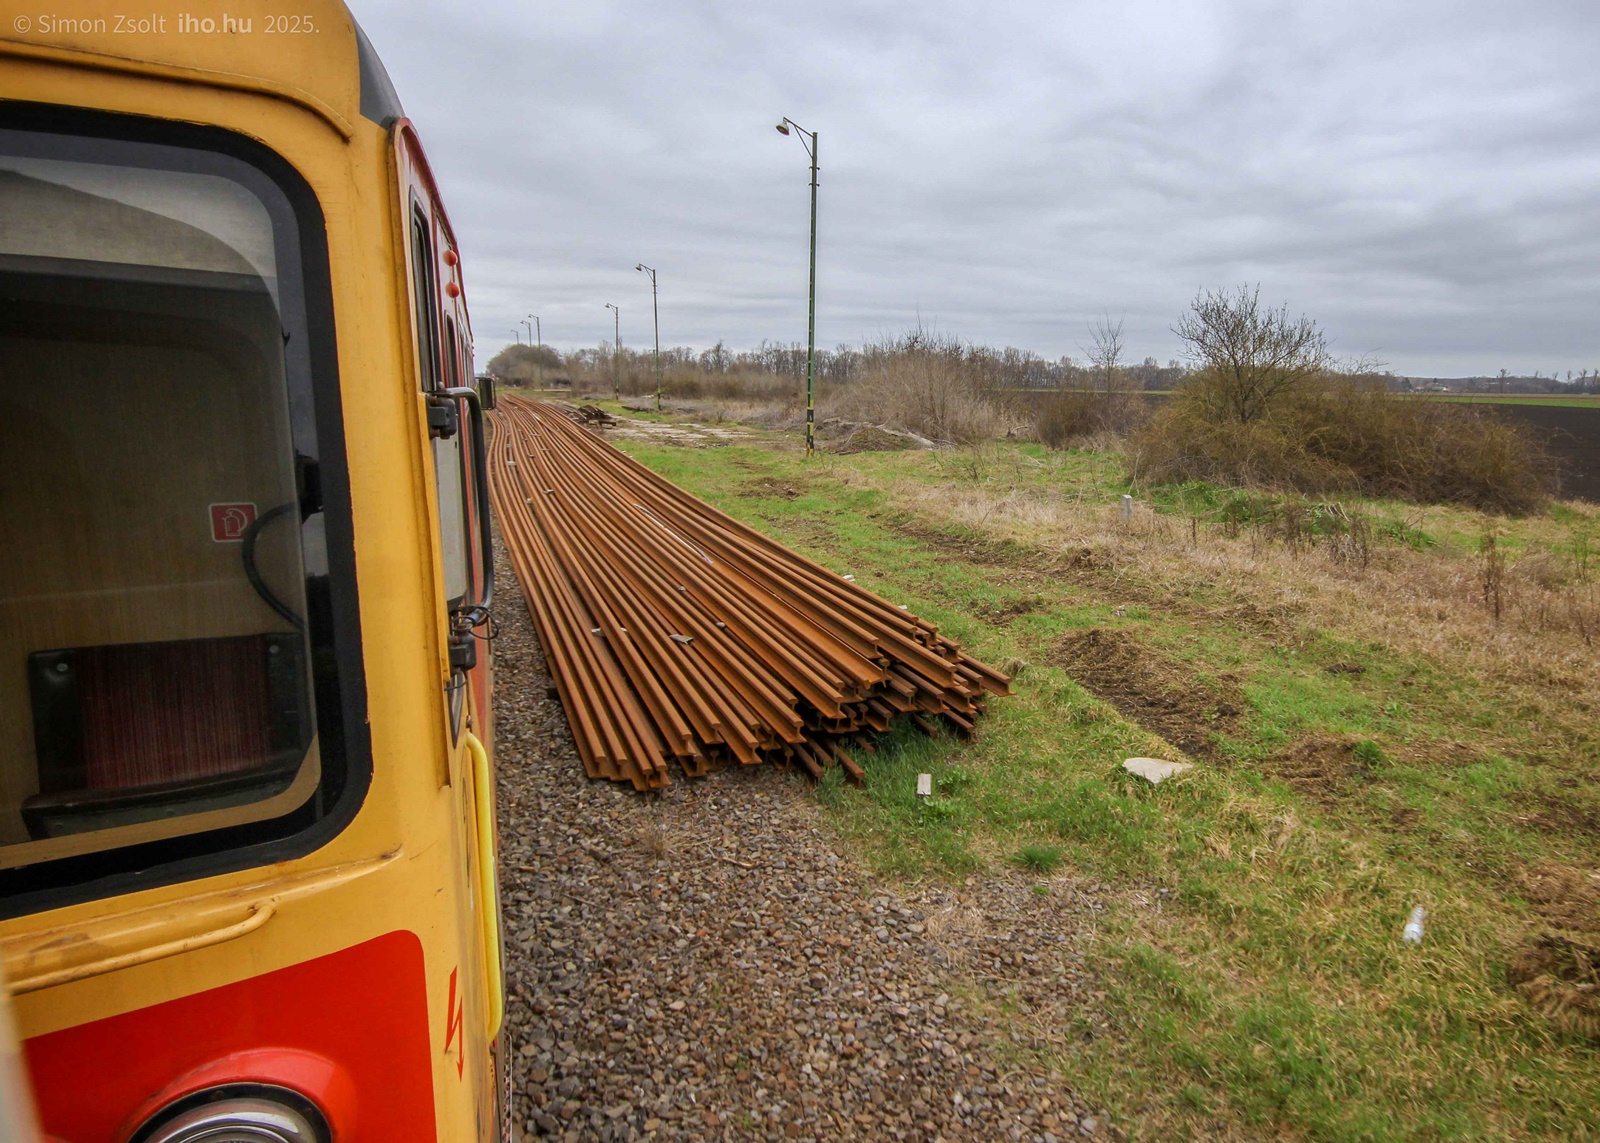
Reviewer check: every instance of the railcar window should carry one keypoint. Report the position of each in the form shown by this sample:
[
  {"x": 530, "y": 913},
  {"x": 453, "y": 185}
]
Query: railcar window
[
  {"x": 448, "y": 457},
  {"x": 424, "y": 284},
  {"x": 452, "y": 362},
  {"x": 164, "y": 589}
]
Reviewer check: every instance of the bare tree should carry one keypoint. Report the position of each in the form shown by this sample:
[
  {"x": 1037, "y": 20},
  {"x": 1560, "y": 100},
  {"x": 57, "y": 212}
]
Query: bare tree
[
  {"x": 1250, "y": 355},
  {"x": 1105, "y": 352},
  {"x": 717, "y": 359}
]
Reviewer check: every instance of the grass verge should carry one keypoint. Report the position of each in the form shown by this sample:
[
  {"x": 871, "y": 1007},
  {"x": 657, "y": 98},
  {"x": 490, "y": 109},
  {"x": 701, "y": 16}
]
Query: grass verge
[{"x": 1370, "y": 738}]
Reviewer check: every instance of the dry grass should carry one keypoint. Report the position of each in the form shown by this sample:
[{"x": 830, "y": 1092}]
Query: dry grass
[
  {"x": 1430, "y": 602},
  {"x": 926, "y": 392},
  {"x": 957, "y": 922},
  {"x": 651, "y": 838},
  {"x": 1087, "y": 419},
  {"x": 1558, "y": 973}
]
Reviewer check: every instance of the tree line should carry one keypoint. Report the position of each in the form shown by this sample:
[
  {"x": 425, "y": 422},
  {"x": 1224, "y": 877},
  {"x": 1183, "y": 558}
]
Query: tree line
[{"x": 1003, "y": 368}]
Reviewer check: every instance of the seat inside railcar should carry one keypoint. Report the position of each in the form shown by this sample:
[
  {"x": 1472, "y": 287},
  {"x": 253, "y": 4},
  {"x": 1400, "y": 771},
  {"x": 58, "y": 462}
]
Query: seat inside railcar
[{"x": 154, "y": 663}]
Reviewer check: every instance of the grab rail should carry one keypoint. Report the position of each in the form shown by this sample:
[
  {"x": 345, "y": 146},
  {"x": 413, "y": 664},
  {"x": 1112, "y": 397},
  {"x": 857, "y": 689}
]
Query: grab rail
[
  {"x": 488, "y": 880},
  {"x": 258, "y": 916},
  {"x": 83, "y": 949}
]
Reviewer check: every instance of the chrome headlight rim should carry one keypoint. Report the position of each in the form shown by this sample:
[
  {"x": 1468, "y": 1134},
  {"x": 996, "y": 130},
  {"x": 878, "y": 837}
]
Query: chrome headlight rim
[{"x": 237, "y": 1113}]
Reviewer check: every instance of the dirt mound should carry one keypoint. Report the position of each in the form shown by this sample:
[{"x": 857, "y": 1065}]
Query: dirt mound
[
  {"x": 769, "y": 488},
  {"x": 1566, "y": 813},
  {"x": 1159, "y": 694},
  {"x": 877, "y": 438},
  {"x": 590, "y": 415},
  {"x": 1560, "y": 978},
  {"x": 1002, "y": 612},
  {"x": 1322, "y": 766},
  {"x": 974, "y": 548},
  {"x": 1565, "y": 897},
  {"x": 1558, "y": 972}
]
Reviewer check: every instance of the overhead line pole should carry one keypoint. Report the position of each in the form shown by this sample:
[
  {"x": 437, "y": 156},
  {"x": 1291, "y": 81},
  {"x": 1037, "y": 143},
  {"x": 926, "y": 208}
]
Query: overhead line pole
[
  {"x": 811, "y": 301},
  {"x": 616, "y": 352},
  {"x": 656, "y": 312}
]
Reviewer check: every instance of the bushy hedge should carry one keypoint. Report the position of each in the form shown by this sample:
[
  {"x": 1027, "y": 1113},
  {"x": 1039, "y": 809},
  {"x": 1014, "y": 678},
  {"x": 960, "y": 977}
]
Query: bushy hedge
[
  {"x": 1061, "y": 419},
  {"x": 1343, "y": 434}
]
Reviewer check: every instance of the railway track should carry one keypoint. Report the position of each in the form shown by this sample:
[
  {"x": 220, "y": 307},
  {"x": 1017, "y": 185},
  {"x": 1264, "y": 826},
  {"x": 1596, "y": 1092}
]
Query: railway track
[{"x": 676, "y": 634}]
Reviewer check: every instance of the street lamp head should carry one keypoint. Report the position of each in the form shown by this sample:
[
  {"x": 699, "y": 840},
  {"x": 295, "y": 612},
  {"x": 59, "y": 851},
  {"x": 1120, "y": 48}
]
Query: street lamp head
[
  {"x": 640, "y": 266},
  {"x": 783, "y": 128}
]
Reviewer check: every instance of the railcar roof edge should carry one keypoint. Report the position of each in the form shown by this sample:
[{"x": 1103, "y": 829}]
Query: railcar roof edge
[{"x": 318, "y": 58}]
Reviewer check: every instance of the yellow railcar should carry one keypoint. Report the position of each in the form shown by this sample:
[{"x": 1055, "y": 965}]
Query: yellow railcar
[{"x": 247, "y": 839}]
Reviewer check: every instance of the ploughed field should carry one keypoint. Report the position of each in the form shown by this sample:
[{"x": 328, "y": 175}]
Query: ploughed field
[{"x": 1572, "y": 433}]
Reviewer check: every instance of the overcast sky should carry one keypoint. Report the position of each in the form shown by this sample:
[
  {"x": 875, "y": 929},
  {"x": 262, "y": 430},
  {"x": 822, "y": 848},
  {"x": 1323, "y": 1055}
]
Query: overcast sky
[{"x": 1421, "y": 178}]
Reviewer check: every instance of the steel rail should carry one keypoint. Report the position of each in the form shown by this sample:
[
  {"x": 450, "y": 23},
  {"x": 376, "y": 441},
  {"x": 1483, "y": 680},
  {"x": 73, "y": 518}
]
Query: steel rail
[
  {"x": 675, "y": 632},
  {"x": 667, "y": 603}
]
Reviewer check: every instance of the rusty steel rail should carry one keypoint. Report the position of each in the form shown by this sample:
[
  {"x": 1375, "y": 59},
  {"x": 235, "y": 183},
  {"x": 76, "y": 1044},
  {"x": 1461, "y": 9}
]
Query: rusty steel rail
[{"x": 674, "y": 633}]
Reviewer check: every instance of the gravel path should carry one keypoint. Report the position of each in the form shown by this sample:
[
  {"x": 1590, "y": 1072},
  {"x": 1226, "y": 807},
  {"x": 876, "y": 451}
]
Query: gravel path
[{"x": 708, "y": 964}]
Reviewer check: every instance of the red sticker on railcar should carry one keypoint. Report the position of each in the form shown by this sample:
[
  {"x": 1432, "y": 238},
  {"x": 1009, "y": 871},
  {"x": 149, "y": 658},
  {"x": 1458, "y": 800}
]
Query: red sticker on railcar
[{"x": 229, "y": 522}]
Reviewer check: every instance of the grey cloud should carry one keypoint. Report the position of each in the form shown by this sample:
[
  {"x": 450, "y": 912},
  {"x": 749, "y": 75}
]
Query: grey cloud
[{"x": 1420, "y": 178}]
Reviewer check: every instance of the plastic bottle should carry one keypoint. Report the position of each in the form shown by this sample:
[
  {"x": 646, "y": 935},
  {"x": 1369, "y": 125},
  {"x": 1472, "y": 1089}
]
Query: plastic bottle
[{"x": 1413, "y": 933}]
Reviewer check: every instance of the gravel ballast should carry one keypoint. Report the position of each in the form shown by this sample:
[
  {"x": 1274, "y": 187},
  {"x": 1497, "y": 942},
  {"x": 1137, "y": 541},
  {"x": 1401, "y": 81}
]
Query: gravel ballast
[{"x": 707, "y": 962}]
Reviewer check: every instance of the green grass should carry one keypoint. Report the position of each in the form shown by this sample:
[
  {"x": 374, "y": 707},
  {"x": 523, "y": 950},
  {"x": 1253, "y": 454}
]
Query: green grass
[
  {"x": 1275, "y": 997},
  {"x": 1039, "y": 858}
]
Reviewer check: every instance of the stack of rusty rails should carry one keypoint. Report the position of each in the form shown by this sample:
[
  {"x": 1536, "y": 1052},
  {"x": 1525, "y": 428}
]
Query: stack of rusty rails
[{"x": 674, "y": 633}]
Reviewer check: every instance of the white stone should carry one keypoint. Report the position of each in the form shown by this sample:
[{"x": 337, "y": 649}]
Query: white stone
[
  {"x": 924, "y": 785},
  {"x": 1154, "y": 770}
]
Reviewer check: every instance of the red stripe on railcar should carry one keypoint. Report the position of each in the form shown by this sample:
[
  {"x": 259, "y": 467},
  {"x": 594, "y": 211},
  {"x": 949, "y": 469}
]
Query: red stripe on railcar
[{"x": 343, "y": 1029}]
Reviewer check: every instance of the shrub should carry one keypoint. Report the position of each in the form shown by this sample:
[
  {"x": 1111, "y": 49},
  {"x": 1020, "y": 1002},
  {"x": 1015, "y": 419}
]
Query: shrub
[
  {"x": 1249, "y": 357},
  {"x": 1265, "y": 407},
  {"x": 1062, "y": 418},
  {"x": 922, "y": 383},
  {"x": 1059, "y": 418},
  {"x": 1345, "y": 434}
]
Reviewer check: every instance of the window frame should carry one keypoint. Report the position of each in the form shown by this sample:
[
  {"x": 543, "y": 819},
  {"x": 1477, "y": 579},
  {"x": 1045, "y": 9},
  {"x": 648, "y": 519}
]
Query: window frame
[
  {"x": 438, "y": 353},
  {"x": 339, "y": 679}
]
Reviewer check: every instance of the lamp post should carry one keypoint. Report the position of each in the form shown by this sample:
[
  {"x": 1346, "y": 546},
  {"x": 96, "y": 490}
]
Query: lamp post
[
  {"x": 517, "y": 333},
  {"x": 656, "y": 311},
  {"x": 538, "y": 332},
  {"x": 528, "y": 325},
  {"x": 616, "y": 351},
  {"x": 784, "y": 125}
]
